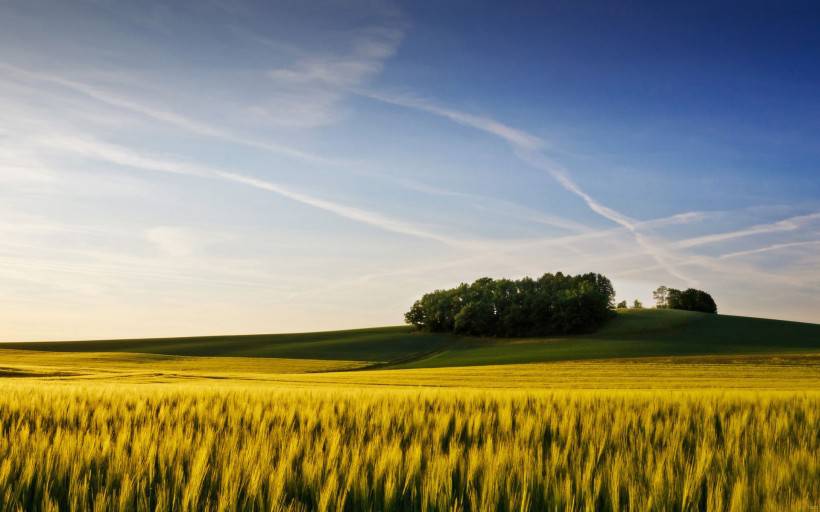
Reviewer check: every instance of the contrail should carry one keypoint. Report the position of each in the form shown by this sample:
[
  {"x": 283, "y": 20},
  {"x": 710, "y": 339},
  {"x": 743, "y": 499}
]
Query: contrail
[
  {"x": 122, "y": 156},
  {"x": 527, "y": 148},
  {"x": 774, "y": 247},
  {"x": 790, "y": 224},
  {"x": 513, "y": 136},
  {"x": 167, "y": 117}
]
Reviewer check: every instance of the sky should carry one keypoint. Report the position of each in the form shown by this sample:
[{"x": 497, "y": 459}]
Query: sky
[{"x": 221, "y": 167}]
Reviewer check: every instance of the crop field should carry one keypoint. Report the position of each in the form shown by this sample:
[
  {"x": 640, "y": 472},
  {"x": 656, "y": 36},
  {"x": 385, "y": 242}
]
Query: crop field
[
  {"x": 297, "y": 426},
  {"x": 204, "y": 447}
]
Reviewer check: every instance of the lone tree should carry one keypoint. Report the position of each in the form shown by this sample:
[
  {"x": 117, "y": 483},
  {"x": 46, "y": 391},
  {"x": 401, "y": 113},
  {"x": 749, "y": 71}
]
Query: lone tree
[
  {"x": 637, "y": 304},
  {"x": 661, "y": 296},
  {"x": 691, "y": 300},
  {"x": 622, "y": 305},
  {"x": 552, "y": 304}
]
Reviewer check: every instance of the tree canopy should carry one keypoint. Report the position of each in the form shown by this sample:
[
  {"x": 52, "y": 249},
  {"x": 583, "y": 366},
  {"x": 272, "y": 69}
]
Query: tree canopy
[
  {"x": 690, "y": 300},
  {"x": 552, "y": 304},
  {"x": 661, "y": 296}
]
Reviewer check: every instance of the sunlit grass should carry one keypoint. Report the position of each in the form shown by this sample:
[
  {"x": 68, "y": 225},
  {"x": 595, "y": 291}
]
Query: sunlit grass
[
  {"x": 773, "y": 372},
  {"x": 102, "y": 365},
  {"x": 785, "y": 372}
]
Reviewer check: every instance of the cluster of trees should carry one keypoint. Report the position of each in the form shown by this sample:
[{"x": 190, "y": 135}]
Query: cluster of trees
[
  {"x": 551, "y": 304},
  {"x": 670, "y": 298},
  {"x": 689, "y": 299}
]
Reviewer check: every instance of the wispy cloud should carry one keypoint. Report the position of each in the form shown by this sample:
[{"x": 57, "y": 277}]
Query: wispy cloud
[
  {"x": 348, "y": 212},
  {"x": 517, "y": 138},
  {"x": 660, "y": 254},
  {"x": 123, "y": 156},
  {"x": 528, "y": 148},
  {"x": 307, "y": 93},
  {"x": 769, "y": 248},
  {"x": 506, "y": 207},
  {"x": 165, "y": 116},
  {"x": 790, "y": 224}
]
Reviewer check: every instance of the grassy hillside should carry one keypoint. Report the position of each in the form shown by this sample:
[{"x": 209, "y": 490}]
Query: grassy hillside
[
  {"x": 631, "y": 334},
  {"x": 640, "y": 333},
  {"x": 377, "y": 345}
]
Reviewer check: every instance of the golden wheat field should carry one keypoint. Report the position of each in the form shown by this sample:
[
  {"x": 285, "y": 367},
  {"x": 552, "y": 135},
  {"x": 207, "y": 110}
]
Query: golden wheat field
[{"x": 211, "y": 444}]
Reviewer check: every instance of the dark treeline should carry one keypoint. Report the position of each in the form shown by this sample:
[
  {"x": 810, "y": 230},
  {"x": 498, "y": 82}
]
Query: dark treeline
[
  {"x": 552, "y": 304},
  {"x": 691, "y": 300}
]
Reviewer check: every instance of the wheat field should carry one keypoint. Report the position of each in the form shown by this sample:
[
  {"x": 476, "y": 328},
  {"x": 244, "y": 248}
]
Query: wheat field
[
  {"x": 102, "y": 445},
  {"x": 652, "y": 415}
]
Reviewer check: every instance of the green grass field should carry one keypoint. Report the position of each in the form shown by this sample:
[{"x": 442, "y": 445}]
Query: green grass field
[
  {"x": 659, "y": 410},
  {"x": 631, "y": 334}
]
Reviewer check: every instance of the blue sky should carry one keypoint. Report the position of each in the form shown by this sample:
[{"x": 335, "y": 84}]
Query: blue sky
[{"x": 173, "y": 168}]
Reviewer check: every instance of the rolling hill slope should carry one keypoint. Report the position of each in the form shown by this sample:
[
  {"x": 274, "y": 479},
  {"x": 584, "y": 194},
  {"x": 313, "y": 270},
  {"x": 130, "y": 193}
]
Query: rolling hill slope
[
  {"x": 378, "y": 345},
  {"x": 631, "y": 334},
  {"x": 640, "y": 333}
]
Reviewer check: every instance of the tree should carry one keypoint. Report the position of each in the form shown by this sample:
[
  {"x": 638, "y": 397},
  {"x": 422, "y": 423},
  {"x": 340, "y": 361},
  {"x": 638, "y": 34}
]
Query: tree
[
  {"x": 637, "y": 304},
  {"x": 661, "y": 296},
  {"x": 475, "y": 318},
  {"x": 552, "y": 304},
  {"x": 622, "y": 305},
  {"x": 673, "y": 300},
  {"x": 691, "y": 300}
]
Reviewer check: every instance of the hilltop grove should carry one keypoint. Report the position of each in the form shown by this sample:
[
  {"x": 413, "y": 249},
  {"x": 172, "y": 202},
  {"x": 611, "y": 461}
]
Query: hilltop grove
[{"x": 552, "y": 304}]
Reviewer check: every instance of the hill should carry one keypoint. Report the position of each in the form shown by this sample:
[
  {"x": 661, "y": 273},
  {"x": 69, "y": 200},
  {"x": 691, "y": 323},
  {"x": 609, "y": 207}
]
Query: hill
[
  {"x": 631, "y": 334},
  {"x": 641, "y": 333},
  {"x": 377, "y": 345}
]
